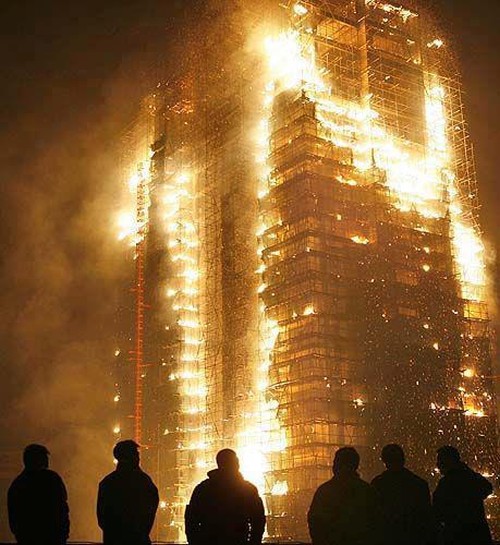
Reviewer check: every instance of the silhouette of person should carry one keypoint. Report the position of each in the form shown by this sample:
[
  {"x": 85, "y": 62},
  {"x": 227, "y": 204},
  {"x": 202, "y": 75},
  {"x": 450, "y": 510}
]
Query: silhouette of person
[
  {"x": 459, "y": 501},
  {"x": 345, "y": 510},
  {"x": 405, "y": 500},
  {"x": 37, "y": 502},
  {"x": 127, "y": 500},
  {"x": 225, "y": 509}
]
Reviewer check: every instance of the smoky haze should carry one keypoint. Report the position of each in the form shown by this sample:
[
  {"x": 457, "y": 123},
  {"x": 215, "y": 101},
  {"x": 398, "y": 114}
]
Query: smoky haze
[
  {"x": 69, "y": 87},
  {"x": 59, "y": 270},
  {"x": 71, "y": 78}
]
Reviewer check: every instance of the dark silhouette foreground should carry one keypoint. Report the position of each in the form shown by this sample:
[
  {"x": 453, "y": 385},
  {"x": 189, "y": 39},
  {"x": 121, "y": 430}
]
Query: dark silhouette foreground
[
  {"x": 225, "y": 509},
  {"x": 38, "y": 502},
  {"x": 345, "y": 510},
  {"x": 459, "y": 501},
  {"x": 127, "y": 500},
  {"x": 405, "y": 501}
]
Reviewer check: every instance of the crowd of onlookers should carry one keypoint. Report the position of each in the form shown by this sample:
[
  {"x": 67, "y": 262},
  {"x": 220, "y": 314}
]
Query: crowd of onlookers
[
  {"x": 224, "y": 509},
  {"x": 397, "y": 508}
]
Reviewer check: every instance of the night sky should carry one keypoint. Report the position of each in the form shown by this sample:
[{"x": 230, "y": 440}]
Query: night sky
[{"x": 70, "y": 79}]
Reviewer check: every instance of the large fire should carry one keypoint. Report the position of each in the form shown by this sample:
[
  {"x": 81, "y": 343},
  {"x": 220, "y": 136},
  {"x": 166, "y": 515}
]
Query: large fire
[
  {"x": 421, "y": 181},
  {"x": 419, "y": 178}
]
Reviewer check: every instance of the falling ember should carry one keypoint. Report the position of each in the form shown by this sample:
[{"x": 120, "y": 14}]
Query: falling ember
[
  {"x": 311, "y": 269},
  {"x": 309, "y": 310},
  {"x": 280, "y": 488},
  {"x": 360, "y": 239},
  {"x": 299, "y": 9}
]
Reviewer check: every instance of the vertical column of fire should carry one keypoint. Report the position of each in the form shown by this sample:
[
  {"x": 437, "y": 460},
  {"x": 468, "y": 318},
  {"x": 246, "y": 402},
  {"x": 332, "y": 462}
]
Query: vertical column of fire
[
  {"x": 180, "y": 211},
  {"x": 468, "y": 248},
  {"x": 290, "y": 60},
  {"x": 286, "y": 68},
  {"x": 267, "y": 435}
]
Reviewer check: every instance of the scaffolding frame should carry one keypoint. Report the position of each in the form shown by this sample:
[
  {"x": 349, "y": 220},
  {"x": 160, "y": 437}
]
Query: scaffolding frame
[{"x": 347, "y": 269}]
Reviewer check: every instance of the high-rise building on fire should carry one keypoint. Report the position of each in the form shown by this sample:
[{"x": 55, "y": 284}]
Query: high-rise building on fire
[{"x": 309, "y": 270}]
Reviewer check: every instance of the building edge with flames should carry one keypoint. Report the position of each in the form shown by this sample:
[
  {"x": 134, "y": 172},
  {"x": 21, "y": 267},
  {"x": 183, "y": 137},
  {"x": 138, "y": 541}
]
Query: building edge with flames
[{"x": 308, "y": 266}]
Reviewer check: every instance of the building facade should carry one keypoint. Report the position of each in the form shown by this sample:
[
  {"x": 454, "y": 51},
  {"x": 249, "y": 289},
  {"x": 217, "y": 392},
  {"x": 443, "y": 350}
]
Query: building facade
[{"x": 309, "y": 267}]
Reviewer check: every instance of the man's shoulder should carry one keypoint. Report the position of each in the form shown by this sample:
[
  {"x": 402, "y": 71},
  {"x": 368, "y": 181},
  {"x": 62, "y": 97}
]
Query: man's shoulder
[
  {"x": 203, "y": 487},
  {"x": 455, "y": 482},
  {"x": 334, "y": 487},
  {"x": 18, "y": 481},
  {"x": 380, "y": 479},
  {"x": 444, "y": 485},
  {"x": 453, "y": 478},
  {"x": 123, "y": 476},
  {"x": 363, "y": 485},
  {"x": 38, "y": 477},
  {"x": 415, "y": 479},
  {"x": 250, "y": 487},
  {"x": 146, "y": 479},
  {"x": 51, "y": 475},
  {"x": 326, "y": 487},
  {"x": 204, "y": 483},
  {"x": 212, "y": 486},
  {"x": 251, "y": 491},
  {"x": 108, "y": 479},
  {"x": 400, "y": 478}
]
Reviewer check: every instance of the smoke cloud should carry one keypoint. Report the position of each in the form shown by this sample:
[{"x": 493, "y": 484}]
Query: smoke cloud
[
  {"x": 59, "y": 275},
  {"x": 62, "y": 265}
]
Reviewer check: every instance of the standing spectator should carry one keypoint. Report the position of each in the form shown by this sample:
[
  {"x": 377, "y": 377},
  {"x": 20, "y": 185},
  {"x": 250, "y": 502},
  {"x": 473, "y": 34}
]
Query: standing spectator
[
  {"x": 38, "y": 502},
  {"x": 127, "y": 500},
  {"x": 345, "y": 510},
  {"x": 225, "y": 509},
  {"x": 459, "y": 501},
  {"x": 405, "y": 501}
]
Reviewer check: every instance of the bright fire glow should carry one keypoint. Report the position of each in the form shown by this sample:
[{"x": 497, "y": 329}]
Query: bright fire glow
[
  {"x": 180, "y": 213},
  {"x": 130, "y": 225},
  {"x": 419, "y": 177}
]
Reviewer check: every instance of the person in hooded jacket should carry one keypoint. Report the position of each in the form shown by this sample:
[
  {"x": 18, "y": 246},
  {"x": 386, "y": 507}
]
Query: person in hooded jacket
[
  {"x": 37, "y": 502},
  {"x": 345, "y": 510},
  {"x": 127, "y": 500},
  {"x": 225, "y": 509},
  {"x": 458, "y": 501}
]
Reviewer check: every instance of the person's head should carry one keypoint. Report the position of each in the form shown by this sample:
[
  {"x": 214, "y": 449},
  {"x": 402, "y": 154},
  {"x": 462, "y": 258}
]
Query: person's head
[
  {"x": 127, "y": 452},
  {"x": 393, "y": 456},
  {"x": 227, "y": 460},
  {"x": 36, "y": 457},
  {"x": 346, "y": 460},
  {"x": 447, "y": 458}
]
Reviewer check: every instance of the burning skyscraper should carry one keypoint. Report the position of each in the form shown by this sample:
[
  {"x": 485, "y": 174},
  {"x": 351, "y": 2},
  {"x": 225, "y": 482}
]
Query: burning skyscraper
[{"x": 309, "y": 271}]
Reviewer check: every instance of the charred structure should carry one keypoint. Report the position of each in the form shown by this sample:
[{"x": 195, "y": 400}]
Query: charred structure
[{"x": 309, "y": 270}]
